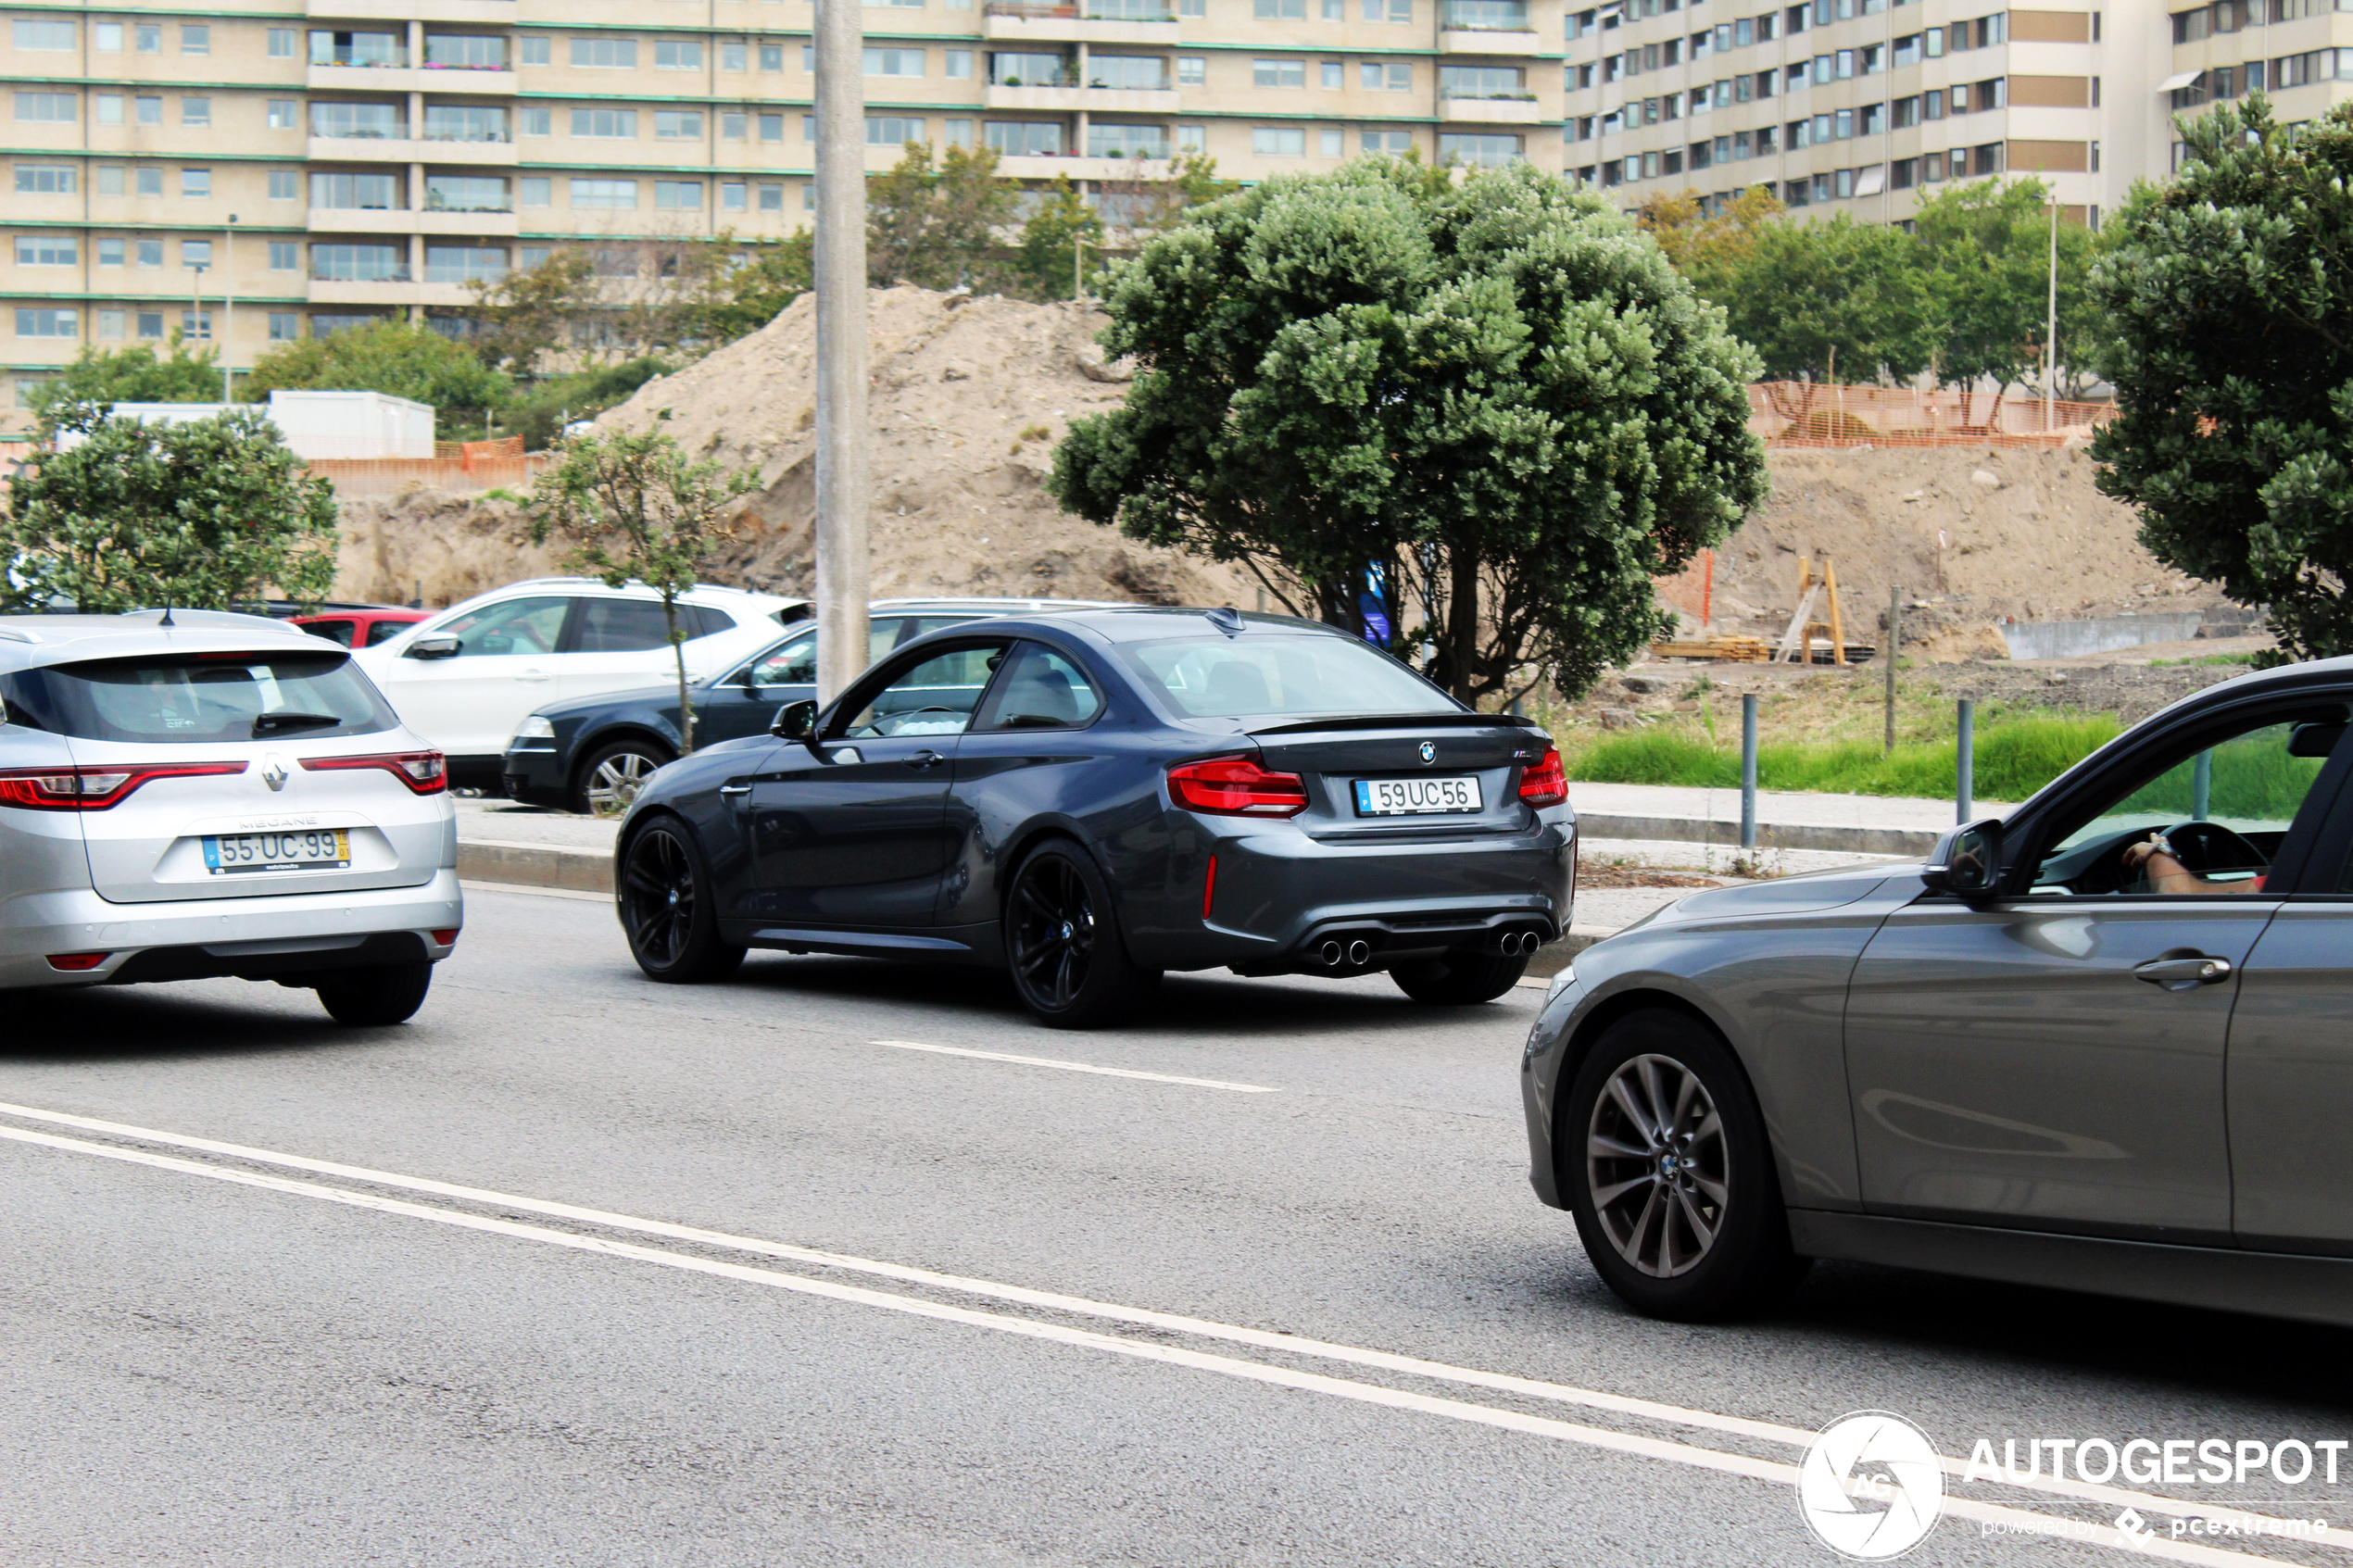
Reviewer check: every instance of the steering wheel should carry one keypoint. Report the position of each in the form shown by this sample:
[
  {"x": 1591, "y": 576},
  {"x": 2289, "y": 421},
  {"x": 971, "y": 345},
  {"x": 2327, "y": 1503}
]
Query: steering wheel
[
  {"x": 898, "y": 721},
  {"x": 2202, "y": 846}
]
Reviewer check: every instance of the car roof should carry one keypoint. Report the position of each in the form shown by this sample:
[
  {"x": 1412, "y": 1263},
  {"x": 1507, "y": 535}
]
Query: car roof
[
  {"x": 27, "y": 641},
  {"x": 701, "y": 593},
  {"x": 1146, "y": 623}
]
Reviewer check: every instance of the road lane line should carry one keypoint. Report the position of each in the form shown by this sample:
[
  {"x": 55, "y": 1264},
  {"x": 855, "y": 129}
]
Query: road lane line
[
  {"x": 2010, "y": 1519},
  {"x": 2083, "y": 1491},
  {"x": 1078, "y": 1067}
]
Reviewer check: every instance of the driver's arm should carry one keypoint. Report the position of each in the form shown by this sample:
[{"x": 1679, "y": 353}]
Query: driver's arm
[{"x": 2165, "y": 873}]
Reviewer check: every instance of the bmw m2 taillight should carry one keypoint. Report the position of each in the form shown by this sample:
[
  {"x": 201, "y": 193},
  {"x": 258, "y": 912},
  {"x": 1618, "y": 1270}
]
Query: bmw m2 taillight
[
  {"x": 1236, "y": 786},
  {"x": 1544, "y": 783},
  {"x": 426, "y": 772},
  {"x": 94, "y": 789}
]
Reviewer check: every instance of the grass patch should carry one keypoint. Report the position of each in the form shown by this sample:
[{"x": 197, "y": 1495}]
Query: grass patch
[
  {"x": 2244, "y": 656},
  {"x": 2015, "y": 758}
]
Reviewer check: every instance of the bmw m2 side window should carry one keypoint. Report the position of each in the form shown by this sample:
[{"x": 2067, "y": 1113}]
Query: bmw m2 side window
[
  {"x": 1259, "y": 672},
  {"x": 1040, "y": 690},
  {"x": 935, "y": 697}
]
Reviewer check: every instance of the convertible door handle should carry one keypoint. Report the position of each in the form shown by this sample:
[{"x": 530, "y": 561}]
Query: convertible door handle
[
  {"x": 2182, "y": 973},
  {"x": 925, "y": 759},
  {"x": 735, "y": 789}
]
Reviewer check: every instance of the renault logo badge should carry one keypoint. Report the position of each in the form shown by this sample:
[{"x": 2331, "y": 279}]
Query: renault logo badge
[
  {"x": 1430, "y": 754},
  {"x": 273, "y": 773}
]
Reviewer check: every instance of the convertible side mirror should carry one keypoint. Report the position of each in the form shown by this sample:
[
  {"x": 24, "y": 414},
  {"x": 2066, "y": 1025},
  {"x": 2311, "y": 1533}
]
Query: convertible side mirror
[
  {"x": 1967, "y": 861},
  {"x": 442, "y": 644},
  {"x": 795, "y": 720}
]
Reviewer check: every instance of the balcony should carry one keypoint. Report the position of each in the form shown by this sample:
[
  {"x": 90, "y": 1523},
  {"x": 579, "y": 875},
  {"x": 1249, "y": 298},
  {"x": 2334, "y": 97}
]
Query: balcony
[
  {"x": 1033, "y": 167},
  {"x": 389, "y": 291},
  {"x": 496, "y": 13},
  {"x": 411, "y": 79},
  {"x": 1098, "y": 100},
  {"x": 406, "y": 149},
  {"x": 401, "y": 221},
  {"x": 1491, "y": 111},
  {"x": 1101, "y": 21}
]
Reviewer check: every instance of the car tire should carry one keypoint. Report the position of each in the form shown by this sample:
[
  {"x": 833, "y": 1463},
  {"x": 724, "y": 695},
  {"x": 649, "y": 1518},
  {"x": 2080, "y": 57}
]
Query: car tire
[
  {"x": 666, "y": 908},
  {"x": 1063, "y": 946},
  {"x": 377, "y": 996},
  {"x": 613, "y": 774},
  {"x": 1708, "y": 1241},
  {"x": 1459, "y": 978}
]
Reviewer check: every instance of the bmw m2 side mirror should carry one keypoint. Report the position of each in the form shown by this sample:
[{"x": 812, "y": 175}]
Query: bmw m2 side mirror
[
  {"x": 794, "y": 721},
  {"x": 442, "y": 644},
  {"x": 1967, "y": 861}
]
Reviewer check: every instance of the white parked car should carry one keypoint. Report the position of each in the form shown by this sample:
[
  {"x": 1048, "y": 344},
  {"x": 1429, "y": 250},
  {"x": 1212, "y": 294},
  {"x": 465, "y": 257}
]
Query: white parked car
[
  {"x": 190, "y": 795},
  {"x": 465, "y": 678}
]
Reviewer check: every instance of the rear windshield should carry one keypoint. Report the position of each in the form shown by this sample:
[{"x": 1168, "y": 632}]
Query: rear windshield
[
  {"x": 202, "y": 699},
  {"x": 1260, "y": 673}
]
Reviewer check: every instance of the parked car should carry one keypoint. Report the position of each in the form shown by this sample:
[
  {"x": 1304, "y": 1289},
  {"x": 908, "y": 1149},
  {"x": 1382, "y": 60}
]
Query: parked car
[
  {"x": 1094, "y": 796},
  {"x": 593, "y": 754},
  {"x": 361, "y": 626},
  {"x": 2101, "y": 1045},
  {"x": 465, "y": 677},
  {"x": 190, "y": 793}
]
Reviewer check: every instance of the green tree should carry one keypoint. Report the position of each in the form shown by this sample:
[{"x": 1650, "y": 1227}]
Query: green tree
[
  {"x": 209, "y": 514},
  {"x": 394, "y": 358},
  {"x": 540, "y": 413},
  {"x": 634, "y": 508},
  {"x": 1144, "y": 204},
  {"x": 2233, "y": 364},
  {"x": 135, "y": 374},
  {"x": 746, "y": 284},
  {"x": 1822, "y": 301},
  {"x": 934, "y": 227},
  {"x": 1709, "y": 251},
  {"x": 1496, "y": 391},
  {"x": 1988, "y": 250},
  {"x": 529, "y": 313},
  {"x": 1050, "y": 238}
]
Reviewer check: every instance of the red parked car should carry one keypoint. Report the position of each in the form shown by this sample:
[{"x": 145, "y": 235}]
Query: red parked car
[{"x": 361, "y": 626}]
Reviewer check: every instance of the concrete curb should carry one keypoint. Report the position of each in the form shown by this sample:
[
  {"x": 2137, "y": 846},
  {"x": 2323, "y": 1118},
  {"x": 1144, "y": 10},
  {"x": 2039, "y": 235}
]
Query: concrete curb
[
  {"x": 535, "y": 865},
  {"x": 1770, "y": 836}
]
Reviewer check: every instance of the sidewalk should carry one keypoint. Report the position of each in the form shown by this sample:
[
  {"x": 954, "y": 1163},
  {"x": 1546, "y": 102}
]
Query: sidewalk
[
  {"x": 1866, "y": 824},
  {"x": 499, "y": 841}
]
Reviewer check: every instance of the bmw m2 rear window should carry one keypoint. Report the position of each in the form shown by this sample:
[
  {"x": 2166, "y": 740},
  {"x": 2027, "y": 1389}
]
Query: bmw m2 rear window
[
  {"x": 1258, "y": 674},
  {"x": 202, "y": 699}
]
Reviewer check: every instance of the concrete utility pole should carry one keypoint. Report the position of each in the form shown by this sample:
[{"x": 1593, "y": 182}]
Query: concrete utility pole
[
  {"x": 1895, "y": 641},
  {"x": 843, "y": 479},
  {"x": 2050, "y": 324}
]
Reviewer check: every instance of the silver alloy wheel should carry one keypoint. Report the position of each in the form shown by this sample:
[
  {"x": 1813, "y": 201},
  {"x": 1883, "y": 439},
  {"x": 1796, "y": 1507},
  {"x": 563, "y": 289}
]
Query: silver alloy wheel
[
  {"x": 1656, "y": 1166},
  {"x": 614, "y": 782}
]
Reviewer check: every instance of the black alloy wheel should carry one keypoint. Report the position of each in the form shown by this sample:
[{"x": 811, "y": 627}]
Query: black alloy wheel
[
  {"x": 672, "y": 929},
  {"x": 1063, "y": 943},
  {"x": 1663, "y": 1157}
]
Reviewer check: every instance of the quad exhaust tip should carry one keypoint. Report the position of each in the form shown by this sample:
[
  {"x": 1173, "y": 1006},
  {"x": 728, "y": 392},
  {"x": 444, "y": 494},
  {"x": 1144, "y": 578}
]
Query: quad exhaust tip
[
  {"x": 1334, "y": 952},
  {"x": 1330, "y": 954},
  {"x": 1517, "y": 942},
  {"x": 1359, "y": 951}
]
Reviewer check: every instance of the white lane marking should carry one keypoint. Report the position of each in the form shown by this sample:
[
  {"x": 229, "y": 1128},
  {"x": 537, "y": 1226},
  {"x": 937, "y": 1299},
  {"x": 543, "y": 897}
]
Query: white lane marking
[
  {"x": 1079, "y": 1067},
  {"x": 2011, "y": 1519},
  {"x": 1079, "y": 1306}
]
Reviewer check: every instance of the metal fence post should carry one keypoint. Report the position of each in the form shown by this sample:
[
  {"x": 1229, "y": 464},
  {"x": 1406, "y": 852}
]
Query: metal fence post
[
  {"x": 1748, "y": 770},
  {"x": 1965, "y": 759}
]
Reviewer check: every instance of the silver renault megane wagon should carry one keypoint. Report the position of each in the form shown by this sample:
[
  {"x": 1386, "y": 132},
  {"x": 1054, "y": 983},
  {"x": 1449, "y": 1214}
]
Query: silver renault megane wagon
[{"x": 189, "y": 795}]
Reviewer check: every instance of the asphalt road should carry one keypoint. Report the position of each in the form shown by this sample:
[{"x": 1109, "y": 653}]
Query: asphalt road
[{"x": 220, "y": 1357}]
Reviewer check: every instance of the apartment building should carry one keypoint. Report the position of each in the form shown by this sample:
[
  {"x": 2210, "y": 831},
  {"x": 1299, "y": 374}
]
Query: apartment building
[{"x": 253, "y": 175}]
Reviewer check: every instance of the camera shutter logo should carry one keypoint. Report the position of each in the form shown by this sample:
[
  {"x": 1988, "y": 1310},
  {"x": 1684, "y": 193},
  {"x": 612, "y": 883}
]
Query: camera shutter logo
[{"x": 1870, "y": 1487}]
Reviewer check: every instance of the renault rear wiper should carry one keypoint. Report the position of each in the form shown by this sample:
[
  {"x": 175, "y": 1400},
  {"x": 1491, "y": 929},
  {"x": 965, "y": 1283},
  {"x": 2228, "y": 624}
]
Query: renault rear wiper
[{"x": 270, "y": 724}]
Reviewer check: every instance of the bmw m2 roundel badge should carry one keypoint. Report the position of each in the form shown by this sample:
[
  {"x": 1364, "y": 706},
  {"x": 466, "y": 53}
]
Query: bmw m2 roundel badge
[{"x": 1429, "y": 752}]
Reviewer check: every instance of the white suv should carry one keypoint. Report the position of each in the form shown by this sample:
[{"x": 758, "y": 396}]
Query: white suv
[
  {"x": 465, "y": 678},
  {"x": 188, "y": 795}
]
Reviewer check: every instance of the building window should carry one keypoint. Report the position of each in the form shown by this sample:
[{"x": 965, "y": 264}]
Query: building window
[
  {"x": 735, "y": 125},
  {"x": 146, "y": 253},
  {"x": 195, "y": 112},
  {"x": 147, "y": 38},
  {"x": 894, "y": 62},
  {"x": 284, "y": 326},
  {"x": 111, "y": 252},
  {"x": 535, "y": 190},
  {"x": 1487, "y": 151},
  {"x": 283, "y": 114},
  {"x": 363, "y": 193},
  {"x": 149, "y": 182},
  {"x": 285, "y": 256},
  {"x": 1192, "y": 138},
  {"x": 605, "y": 54},
  {"x": 892, "y": 130},
  {"x": 1330, "y": 144},
  {"x": 618, "y": 124},
  {"x": 1394, "y": 143},
  {"x": 1193, "y": 71},
  {"x": 772, "y": 57},
  {"x": 731, "y": 196},
  {"x": 533, "y": 120},
  {"x": 369, "y": 50},
  {"x": 957, "y": 64},
  {"x": 150, "y": 323},
  {"x": 282, "y": 43},
  {"x": 195, "y": 182},
  {"x": 47, "y": 109},
  {"x": 772, "y": 127},
  {"x": 465, "y": 51},
  {"x": 1279, "y": 73},
  {"x": 1193, "y": 8},
  {"x": 1278, "y": 141},
  {"x": 735, "y": 57},
  {"x": 111, "y": 324},
  {"x": 43, "y": 33},
  {"x": 1025, "y": 138},
  {"x": 195, "y": 253},
  {"x": 1127, "y": 141},
  {"x": 41, "y": 321},
  {"x": 196, "y": 38},
  {"x": 677, "y": 53},
  {"x": 107, "y": 107},
  {"x": 1283, "y": 10},
  {"x": 47, "y": 250},
  {"x": 610, "y": 193},
  {"x": 678, "y": 196},
  {"x": 46, "y": 179},
  {"x": 1329, "y": 76},
  {"x": 772, "y": 198},
  {"x": 359, "y": 264},
  {"x": 535, "y": 51},
  {"x": 467, "y": 193},
  {"x": 464, "y": 264},
  {"x": 533, "y": 256},
  {"x": 106, "y": 38},
  {"x": 677, "y": 125}
]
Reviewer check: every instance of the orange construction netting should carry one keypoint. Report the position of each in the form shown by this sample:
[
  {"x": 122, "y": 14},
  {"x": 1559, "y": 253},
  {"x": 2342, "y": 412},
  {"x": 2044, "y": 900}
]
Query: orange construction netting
[{"x": 1819, "y": 414}]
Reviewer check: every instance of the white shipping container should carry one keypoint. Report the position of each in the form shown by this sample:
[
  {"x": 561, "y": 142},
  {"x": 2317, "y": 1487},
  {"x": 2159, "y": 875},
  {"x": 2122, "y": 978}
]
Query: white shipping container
[{"x": 316, "y": 424}]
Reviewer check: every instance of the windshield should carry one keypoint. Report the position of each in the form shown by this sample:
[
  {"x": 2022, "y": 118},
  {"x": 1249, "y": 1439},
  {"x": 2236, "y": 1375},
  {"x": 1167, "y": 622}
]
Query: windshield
[
  {"x": 1260, "y": 673},
  {"x": 201, "y": 699}
]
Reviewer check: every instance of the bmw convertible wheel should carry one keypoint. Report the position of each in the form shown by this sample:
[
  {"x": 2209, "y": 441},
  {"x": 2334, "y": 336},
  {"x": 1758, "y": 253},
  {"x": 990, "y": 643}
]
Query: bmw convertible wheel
[
  {"x": 666, "y": 910},
  {"x": 1669, "y": 1175},
  {"x": 1063, "y": 943}
]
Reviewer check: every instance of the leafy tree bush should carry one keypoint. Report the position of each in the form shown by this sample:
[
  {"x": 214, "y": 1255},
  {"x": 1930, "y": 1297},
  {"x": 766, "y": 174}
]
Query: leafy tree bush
[
  {"x": 1822, "y": 301},
  {"x": 135, "y": 374},
  {"x": 934, "y": 227},
  {"x": 1056, "y": 227},
  {"x": 2233, "y": 372},
  {"x": 210, "y": 514},
  {"x": 1497, "y": 391},
  {"x": 1987, "y": 248},
  {"x": 394, "y": 358},
  {"x": 540, "y": 413}
]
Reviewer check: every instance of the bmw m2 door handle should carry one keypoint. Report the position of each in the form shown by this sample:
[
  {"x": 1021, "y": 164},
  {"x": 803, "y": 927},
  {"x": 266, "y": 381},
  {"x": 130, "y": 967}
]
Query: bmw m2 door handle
[
  {"x": 925, "y": 759},
  {"x": 2180, "y": 975}
]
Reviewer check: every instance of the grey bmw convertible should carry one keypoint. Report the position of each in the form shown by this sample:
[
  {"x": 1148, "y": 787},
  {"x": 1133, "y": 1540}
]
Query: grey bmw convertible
[{"x": 2105, "y": 1043}]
